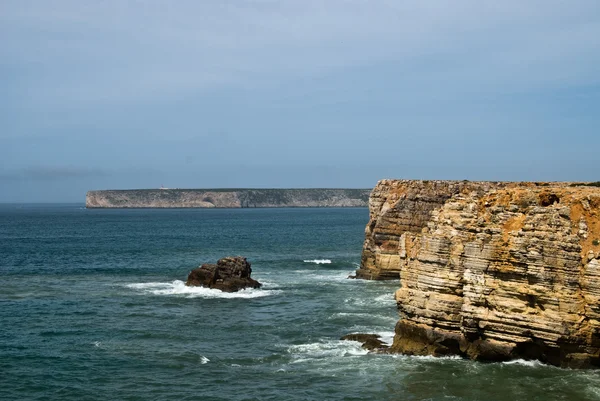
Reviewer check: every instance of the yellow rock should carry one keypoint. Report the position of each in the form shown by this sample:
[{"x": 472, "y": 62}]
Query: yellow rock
[{"x": 490, "y": 270}]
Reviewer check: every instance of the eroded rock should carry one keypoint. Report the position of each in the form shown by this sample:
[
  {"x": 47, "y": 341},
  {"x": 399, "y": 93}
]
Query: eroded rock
[
  {"x": 229, "y": 274},
  {"x": 490, "y": 270}
]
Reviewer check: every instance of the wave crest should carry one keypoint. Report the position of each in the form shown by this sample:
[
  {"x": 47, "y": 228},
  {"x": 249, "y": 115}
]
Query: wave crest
[
  {"x": 523, "y": 362},
  {"x": 325, "y": 349},
  {"x": 318, "y": 261},
  {"x": 178, "y": 287}
]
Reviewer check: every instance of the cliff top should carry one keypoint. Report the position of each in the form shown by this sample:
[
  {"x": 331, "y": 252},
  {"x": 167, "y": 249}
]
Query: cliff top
[
  {"x": 227, "y": 189},
  {"x": 516, "y": 183}
]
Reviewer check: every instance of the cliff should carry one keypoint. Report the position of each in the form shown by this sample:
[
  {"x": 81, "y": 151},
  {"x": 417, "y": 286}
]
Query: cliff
[
  {"x": 226, "y": 198},
  {"x": 490, "y": 271}
]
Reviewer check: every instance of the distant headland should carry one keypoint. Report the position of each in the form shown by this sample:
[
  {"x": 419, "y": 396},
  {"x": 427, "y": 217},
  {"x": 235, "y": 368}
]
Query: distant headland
[{"x": 227, "y": 198}]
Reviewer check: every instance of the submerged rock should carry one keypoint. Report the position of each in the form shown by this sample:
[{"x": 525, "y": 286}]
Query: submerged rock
[
  {"x": 230, "y": 274},
  {"x": 371, "y": 342}
]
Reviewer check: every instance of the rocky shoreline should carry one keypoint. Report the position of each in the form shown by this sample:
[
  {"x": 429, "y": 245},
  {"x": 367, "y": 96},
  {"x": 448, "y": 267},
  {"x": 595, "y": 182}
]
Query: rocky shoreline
[{"x": 490, "y": 271}]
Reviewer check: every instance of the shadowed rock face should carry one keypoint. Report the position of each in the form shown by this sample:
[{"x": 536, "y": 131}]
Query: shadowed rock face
[
  {"x": 229, "y": 274},
  {"x": 490, "y": 271}
]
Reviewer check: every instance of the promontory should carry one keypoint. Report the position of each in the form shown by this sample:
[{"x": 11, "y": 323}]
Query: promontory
[
  {"x": 490, "y": 271},
  {"x": 227, "y": 198}
]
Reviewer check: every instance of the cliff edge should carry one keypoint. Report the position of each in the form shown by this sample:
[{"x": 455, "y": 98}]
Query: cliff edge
[
  {"x": 227, "y": 198},
  {"x": 490, "y": 270}
]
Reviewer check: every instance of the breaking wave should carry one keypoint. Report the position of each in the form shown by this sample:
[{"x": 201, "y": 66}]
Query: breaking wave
[
  {"x": 178, "y": 287},
  {"x": 325, "y": 349},
  {"x": 318, "y": 261},
  {"x": 523, "y": 362}
]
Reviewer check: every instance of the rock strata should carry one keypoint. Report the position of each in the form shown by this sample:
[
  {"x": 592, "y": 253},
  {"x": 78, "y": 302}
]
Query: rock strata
[
  {"x": 490, "y": 270},
  {"x": 229, "y": 274}
]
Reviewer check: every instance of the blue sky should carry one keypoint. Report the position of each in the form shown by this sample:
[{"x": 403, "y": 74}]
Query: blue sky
[{"x": 261, "y": 93}]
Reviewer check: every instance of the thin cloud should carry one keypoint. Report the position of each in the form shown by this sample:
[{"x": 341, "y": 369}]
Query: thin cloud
[
  {"x": 52, "y": 173},
  {"x": 114, "y": 51},
  {"x": 506, "y": 90}
]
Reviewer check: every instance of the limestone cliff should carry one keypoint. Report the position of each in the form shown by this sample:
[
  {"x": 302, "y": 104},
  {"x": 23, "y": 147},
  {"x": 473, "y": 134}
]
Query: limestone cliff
[
  {"x": 227, "y": 198},
  {"x": 490, "y": 271}
]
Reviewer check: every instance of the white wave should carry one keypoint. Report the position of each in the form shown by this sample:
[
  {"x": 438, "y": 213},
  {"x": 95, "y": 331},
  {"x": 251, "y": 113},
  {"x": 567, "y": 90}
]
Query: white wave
[
  {"x": 318, "y": 261},
  {"x": 326, "y": 349},
  {"x": 363, "y": 315},
  {"x": 178, "y": 287},
  {"x": 204, "y": 360},
  {"x": 427, "y": 357},
  {"x": 319, "y": 278},
  {"x": 523, "y": 362},
  {"x": 385, "y": 299},
  {"x": 594, "y": 390},
  {"x": 96, "y": 343},
  {"x": 350, "y": 314},
  {"x": 271, "y": 285},
  {"x": 381, "y": 300},
  {"x": 386, "y": 336}
]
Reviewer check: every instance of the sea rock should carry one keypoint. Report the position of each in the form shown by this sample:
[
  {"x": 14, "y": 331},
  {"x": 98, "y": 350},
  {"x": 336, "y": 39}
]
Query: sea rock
[
  {"x": 490, "y": 270},
  {"x": 230, "y": 274},
  {"x": 371, "y": 342}
]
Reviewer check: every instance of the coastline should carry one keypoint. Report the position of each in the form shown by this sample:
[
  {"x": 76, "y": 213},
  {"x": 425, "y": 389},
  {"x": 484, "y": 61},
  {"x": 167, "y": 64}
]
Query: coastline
[{"x": 228, "y": 198}]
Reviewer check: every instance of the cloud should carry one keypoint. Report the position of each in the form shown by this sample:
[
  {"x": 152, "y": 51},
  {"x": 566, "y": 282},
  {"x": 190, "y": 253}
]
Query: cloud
[
  {"x": 115, "y": 51},
  {"x": 51, "y": 173},
  {"x": 190, "y": 88}
]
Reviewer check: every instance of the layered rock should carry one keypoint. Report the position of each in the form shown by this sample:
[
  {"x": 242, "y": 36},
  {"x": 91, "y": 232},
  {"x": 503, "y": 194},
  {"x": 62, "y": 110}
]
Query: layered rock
[
  {"x": 229, "y": 274},
  {"x": 490, "y": 271},
  {"x": 227, "y": 198}
]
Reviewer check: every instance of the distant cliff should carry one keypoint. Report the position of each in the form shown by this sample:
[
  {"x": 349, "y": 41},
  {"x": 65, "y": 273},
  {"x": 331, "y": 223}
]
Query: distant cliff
[
  {"x": 490, "y": 270},
  {"x": 227, "y": 198}
]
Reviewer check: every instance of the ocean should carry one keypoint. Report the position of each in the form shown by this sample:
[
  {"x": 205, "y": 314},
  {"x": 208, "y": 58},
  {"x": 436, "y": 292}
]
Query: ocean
[{"x": 93, "y": 307}]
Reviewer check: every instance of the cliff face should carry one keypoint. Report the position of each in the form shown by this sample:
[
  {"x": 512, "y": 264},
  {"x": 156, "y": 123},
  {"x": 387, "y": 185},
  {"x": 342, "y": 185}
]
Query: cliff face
[
  {"x": 490, "y": 271},
  {"x": 227, "y": 198}
]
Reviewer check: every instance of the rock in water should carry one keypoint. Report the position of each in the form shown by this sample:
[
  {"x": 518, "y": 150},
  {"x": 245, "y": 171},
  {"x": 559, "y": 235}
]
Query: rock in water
[
  {"x": 371, "y": 342},
  {"x": 230, "y": 274}
]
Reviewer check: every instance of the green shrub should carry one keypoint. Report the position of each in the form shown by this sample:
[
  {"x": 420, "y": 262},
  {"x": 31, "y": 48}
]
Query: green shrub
[
  {"x": 596, "y": 242},
  {"x": 586, "y": 184}
]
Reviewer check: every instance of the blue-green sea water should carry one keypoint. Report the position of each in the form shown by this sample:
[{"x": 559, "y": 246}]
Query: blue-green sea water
[{"x": 93, "y": 307}]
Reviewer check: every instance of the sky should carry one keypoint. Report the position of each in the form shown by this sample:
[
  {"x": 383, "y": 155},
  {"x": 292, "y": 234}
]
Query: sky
[{"x": 120, "y": 94}]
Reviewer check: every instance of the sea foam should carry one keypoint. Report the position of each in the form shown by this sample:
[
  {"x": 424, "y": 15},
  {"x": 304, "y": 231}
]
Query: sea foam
[
  {"x": 318, "y": 261},
  {"x": 326, "y": 349},
  {"x": 523, "y": 362},
  {"x": 386, "y": 336},
  {"x": 178, "y": 287}
]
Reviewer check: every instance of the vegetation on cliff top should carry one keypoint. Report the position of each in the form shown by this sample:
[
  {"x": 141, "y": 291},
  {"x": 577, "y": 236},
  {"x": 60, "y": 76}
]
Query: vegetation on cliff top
[{"x": 586, "y": 184}]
